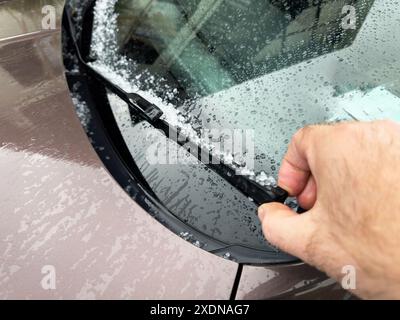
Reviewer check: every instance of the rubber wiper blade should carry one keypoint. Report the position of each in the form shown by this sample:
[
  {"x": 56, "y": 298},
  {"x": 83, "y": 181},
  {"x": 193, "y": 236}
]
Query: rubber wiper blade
[
  {"x": 140, "y": 106},
  {"x": 147, "y": 111}
]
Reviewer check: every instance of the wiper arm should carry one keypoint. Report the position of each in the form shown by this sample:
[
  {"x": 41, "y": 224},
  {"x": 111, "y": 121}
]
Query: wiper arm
[{"x": 147, "y": 111}]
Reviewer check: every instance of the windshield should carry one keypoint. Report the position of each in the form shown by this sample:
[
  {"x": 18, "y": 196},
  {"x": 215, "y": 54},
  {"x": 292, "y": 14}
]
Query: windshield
[{"x": 269, "y": 67}]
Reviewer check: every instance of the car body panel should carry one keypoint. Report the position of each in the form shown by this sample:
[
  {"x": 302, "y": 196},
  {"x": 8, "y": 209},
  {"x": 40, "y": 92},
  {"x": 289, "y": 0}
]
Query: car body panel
[
  {"x": 61, "y": 208},
  {"x": 297, "y": 281}
]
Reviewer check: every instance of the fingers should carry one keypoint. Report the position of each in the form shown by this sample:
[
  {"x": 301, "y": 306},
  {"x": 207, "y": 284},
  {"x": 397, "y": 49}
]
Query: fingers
[
  {"x": 308, "y": 196},
  {"x": 295, "y": 169},
  {"x": 286, "y": 229},
  {"x": 292, "y": 178},
  {"x": 303, "y": 237}
]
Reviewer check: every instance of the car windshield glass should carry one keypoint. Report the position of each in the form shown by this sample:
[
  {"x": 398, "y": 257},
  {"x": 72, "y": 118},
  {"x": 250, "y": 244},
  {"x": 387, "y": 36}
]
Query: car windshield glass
[{"x": 259, "y": 68}]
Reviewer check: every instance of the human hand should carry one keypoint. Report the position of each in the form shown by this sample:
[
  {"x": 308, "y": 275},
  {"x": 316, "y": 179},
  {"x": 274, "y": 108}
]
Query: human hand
[{"x": 348, "y": 178}]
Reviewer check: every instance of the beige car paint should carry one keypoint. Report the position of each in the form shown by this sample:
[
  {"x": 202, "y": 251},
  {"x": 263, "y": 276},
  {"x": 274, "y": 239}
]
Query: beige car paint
[
  {"x": 59, "y": 206},
  {"x": 60, "y": 210}
]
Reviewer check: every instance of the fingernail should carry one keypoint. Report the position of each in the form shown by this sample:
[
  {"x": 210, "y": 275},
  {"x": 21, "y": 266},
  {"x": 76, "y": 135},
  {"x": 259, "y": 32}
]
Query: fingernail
[{"x": 261, "y": 213}]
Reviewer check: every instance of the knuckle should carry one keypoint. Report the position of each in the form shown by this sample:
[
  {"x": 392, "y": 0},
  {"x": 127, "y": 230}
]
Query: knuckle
[
  {"x": 308, "y": 135},
  {"x": 302, "y": 133}
]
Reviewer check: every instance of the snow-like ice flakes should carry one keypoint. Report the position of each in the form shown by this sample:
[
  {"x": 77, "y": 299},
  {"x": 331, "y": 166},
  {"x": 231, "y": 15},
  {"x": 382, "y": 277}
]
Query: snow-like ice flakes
[{"x": 124, "y": 73}]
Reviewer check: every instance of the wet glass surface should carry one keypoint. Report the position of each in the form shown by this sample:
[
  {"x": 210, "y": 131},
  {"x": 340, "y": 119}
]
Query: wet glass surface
[{"x": 269, "y": 66}]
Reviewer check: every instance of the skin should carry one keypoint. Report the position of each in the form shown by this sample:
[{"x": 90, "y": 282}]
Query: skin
[{"x": 347, "y": 176}]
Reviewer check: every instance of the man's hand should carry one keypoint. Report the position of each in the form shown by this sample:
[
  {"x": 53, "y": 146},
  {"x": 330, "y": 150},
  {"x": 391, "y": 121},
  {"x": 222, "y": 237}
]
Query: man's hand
[{"x": 348, "y": 178}]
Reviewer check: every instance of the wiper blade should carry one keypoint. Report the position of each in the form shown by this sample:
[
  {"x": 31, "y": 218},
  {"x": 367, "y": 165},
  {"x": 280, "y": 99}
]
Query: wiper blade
[{"x": 147, "y": 111}]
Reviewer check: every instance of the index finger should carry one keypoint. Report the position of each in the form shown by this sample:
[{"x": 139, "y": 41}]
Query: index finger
[{"x": 295, "y": 169}]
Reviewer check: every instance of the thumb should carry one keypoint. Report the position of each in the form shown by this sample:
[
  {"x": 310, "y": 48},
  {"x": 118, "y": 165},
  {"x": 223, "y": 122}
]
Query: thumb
[{"x": 284, "y": 228}]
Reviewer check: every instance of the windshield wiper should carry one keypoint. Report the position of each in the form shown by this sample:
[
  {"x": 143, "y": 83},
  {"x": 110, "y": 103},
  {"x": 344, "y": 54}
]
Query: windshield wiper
[{"x": 146, "y": 111}]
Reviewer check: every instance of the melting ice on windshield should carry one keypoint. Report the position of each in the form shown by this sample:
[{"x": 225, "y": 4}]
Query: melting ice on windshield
[{"x": 124, "y": 73}]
